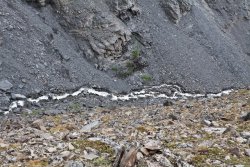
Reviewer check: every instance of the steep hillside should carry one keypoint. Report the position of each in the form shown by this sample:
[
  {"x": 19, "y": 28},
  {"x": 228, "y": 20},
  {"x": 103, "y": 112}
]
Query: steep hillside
[{"x": 119, "y": 45}]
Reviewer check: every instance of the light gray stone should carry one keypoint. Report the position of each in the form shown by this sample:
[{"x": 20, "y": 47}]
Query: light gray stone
[
  {"x": 17, "y": 96},
  {"x": 5, "y": 85},
  {"x": 211, "y": 130},
  {"x": 245, "y": 135},
  {"x": 90, "y": 126},
  {"x": 74, "y": 164},
  {"x": 247, "y": 152}
]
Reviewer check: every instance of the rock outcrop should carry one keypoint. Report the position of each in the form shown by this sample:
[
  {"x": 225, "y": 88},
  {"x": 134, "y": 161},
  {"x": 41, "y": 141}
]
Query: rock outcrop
[{"x": 175, "y": 9}]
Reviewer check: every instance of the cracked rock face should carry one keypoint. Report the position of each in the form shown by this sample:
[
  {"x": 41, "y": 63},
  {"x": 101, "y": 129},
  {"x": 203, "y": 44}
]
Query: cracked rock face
[{"x": 104, "y": 35}]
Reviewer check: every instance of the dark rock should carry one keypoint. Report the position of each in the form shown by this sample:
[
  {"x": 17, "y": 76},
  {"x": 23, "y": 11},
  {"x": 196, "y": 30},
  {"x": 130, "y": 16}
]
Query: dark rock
[
  {"x": 246, "y": 117},
  {"x": 168, "y": 103},
  {"x": 174, "y": 116}
]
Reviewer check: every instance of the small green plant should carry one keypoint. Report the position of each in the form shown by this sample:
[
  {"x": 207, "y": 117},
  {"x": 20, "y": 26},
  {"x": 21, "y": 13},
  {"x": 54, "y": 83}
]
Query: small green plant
[
  {"x": 115, "y": 69},
  {"x": 132, "y": 65},
  {"x": 135, "y": 54},
  {"x": 98, "y": 145},
  {"x": 101, "y": 161},
  {"x": 146, "y": 77}
]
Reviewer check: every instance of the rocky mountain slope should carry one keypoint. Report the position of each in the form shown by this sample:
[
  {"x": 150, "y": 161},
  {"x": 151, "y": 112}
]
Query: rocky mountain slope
[{"x": 119, "y": 45}]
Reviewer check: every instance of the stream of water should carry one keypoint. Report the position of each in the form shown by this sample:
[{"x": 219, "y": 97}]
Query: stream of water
[{"x": 163, "y": 91}]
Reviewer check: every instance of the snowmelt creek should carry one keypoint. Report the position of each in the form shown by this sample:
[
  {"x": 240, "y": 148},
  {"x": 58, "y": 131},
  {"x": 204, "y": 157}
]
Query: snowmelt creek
[{"x": 163, "y": 91}]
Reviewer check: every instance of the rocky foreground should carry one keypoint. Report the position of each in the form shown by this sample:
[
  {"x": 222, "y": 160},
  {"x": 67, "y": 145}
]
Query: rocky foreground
[{"x": 194, "y": 132}]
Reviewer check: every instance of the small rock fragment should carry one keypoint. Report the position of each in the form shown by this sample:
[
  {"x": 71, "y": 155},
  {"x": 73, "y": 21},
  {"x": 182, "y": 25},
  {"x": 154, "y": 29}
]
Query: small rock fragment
[
  {"x": 38, "y": 124},
  {"x": 89, "y": 127},
  {"x": 168, "y": 103},
  {"x": 246, "y": 117},
  {"x": 227, "y": 157},
  {"x": 211, "y": 130},
  {"x": 139, "y": 156},
  {"x": 163, "y": 160},
  {"x": 65, "y": 154},
  {"x": 153, "y": 164},
  {"x": 90, "y": 156},
  {"x": 144, "y": 151},
  {"x": 214, "y": 123},
  {"x": 207, "y": 122},
  {"x": 247, "y": 152},
  {"x": 46, "y": 136},
  {"x": 74, "y": 164},
  {"x": 129, "y": 158},
  {"x": 241, "y": 140},
  {"x": 245, "y": 135},
  {"x": 119, "y": 154},
  {"x": 18, "y": 97},
  {"x": 235, "y": 151},
  {"x": 51, "y": 149},
  {"x": 153, "y": 145},
  {"x": 71, "y": 147}
]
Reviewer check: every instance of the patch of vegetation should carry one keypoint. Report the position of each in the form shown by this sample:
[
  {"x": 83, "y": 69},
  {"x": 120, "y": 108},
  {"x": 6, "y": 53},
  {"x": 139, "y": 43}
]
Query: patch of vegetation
[
  {"x": 37, "y": 163},
  {"x": 75, "y": 107},
  {"x": 170, "y": 145},
  {"x": 244, "y": 126},
  {"x": 238, "y": 160},
  {"x": 57, "y": 119},
  {"x": 146, "y": 129},
  {"x": 98, "y": 145},
  {"x": 133, "y": 64},
  {"x": 204, "y": 137},
  {"x": 212, "y": 153},
  {"x": 115, "y": 69},
  {"x": 36, "y": 112},
  {"x": 101, "y": 161},
  {"x": 142, "y": 129},
  {"x": 146, "y": 77},
  {"x": 3, "y": 149},
  {"x": 62, "y": 128},
  {"x": 135, "y": 54}
]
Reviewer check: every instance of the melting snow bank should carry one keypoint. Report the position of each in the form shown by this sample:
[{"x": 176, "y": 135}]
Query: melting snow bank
[{"x": 163, "y": 91}]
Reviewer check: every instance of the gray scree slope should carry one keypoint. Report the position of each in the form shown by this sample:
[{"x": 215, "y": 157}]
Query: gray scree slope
[{"x": 57, "y": 45}]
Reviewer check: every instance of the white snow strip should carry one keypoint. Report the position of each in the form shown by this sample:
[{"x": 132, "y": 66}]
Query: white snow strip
[{"x": 153, "y": 92}]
